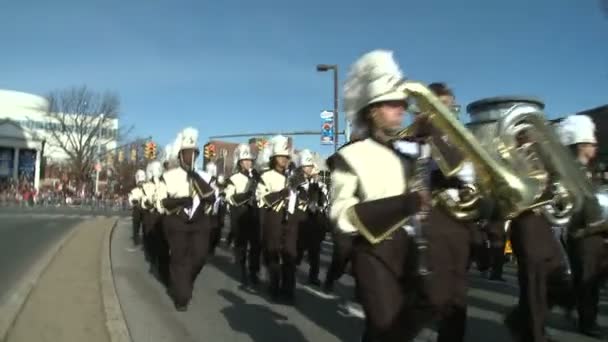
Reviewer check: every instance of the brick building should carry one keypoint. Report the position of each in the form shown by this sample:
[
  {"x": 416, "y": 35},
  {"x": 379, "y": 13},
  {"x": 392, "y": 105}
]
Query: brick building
[{"x": 224, "y": 153}]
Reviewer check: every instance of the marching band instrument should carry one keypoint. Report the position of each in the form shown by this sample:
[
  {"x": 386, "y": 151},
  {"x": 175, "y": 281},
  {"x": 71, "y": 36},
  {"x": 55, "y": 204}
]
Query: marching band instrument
[
  {"x": 502, "y": 171},
  {"x": 466, "y": 207},
  {"x": 516, "y": 128}
]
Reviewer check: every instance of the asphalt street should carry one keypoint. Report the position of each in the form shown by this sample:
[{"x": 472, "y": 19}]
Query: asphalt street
[
  {"x": 26, "y": 233},
  {"x": 221, "y": 310}
]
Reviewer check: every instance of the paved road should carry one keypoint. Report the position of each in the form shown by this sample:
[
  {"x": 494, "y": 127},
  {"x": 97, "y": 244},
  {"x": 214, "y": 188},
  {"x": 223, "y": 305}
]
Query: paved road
[
  {"x": 25, "y": 234},
  {"x": 222, "y": 311}
]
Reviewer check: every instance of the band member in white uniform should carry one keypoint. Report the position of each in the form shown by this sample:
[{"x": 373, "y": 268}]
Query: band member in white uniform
[
  {"x": 135, "y": 198},
  {"x": 279, "y": 231},
  {"x": 588, "y": 251},
  {"x": 155, "y": 244},
  {"x": 187, "y": 199},
  {"x": 373, "y": 198},
  {"x": 240, "y": 194},
  {"x": 312, "y": 197}
]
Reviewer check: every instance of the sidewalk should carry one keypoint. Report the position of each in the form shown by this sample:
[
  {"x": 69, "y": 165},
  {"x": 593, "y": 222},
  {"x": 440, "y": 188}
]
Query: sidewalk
[
  {"x": 66, "y": 304},
  {"x": 223, "y": 311}
]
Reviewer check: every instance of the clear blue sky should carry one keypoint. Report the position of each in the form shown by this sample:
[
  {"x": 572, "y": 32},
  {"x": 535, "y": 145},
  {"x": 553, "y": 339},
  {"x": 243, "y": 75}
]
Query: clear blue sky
[{"x": 230, "y": 66}]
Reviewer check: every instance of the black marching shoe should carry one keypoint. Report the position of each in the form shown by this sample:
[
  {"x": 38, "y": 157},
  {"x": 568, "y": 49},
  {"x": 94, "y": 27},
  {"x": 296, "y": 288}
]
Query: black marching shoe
[
  {"x": 314, "y": 281},
  {"x": 592, "y": 330},
  {"x": 254, "y": 279},
  {"x": 497, "y": 278},
  {"x": 181, "y": 307},
  {"x": 328, "y": 287}
]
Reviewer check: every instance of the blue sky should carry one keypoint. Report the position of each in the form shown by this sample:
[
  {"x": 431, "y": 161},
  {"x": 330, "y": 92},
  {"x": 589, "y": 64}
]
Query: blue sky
[{"x": 245, "y": 66}]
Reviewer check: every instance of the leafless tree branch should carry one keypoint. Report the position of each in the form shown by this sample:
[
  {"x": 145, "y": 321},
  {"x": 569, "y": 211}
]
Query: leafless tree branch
[{"x": 79, "y": 117}]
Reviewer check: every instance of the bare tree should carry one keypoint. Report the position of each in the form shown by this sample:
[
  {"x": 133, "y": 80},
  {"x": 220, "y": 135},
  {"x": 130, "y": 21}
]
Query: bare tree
[{"x": 79, "y": 117}]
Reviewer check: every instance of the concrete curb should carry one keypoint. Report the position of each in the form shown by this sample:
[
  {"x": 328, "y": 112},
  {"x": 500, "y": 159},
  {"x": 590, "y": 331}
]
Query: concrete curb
[
  {"x": 115, "y": 320},
  {"x": 16, "y": 302}
]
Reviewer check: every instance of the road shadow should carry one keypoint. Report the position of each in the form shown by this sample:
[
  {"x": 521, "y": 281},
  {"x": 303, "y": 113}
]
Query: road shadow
[
  {"x": 484, "y": 330},
  {"x": 330, "y": 314},
  {"x": 259, "y": 322}
]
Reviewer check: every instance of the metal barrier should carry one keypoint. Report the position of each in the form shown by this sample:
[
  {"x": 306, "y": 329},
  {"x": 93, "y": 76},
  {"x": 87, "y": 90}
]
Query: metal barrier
[{"x": 86, "y": 204}]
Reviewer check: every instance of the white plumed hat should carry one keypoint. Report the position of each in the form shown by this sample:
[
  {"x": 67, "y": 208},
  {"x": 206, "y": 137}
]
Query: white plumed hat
[
  {"x": 168, "y": 153},
  {"x": 140, "y": 176},
  {"x": 279, "y": 146},
  {"x": 155, "y": 168},
  {"x": 374, "y": 77},
  {"x": 242, "y": 152},
  {"x": 149, "y": 171},
  {"x": 211, "y": 169},
  {"x": 577, "y": 129},
  {"x": 188, "y": 139},
  {"x": 305, "y": 158},
  {"x": 261, "y": 163}
]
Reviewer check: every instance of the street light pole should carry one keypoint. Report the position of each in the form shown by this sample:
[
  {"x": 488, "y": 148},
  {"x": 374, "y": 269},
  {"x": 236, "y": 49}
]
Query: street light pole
[
  {"x": 97, "y": 166},
  {"x": 334, "y": 67}
]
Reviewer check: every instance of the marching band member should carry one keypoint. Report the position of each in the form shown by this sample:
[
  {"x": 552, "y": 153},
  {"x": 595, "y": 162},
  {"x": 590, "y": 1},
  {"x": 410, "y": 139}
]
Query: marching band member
[
  {"x": 450, "y": 238},
  {"x": 135, "y": 197},
  {"x": 343, "y": 242},
  {"x": 279, "y": 231},
  {"x": 372, "y": 197},
  {"x": 155, "y": 244},
  {"x": 588, "y": 253},
  {"x": 221, "y": 205},
  {"x": 240, "y": 194},
  {"x": 542, "y": 274},
  {"x": 311, "y": 227},
  {"x": 187, "y": 199},
  {"x": 211, "y": 170}
]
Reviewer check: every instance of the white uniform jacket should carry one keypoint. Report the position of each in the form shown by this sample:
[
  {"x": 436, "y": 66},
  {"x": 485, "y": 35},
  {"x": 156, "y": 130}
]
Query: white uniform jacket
[
  {"x": 237, "y": 185},
  {"x": 175, "y": 184},
  {"x": 136, "y": 194},
  {"x": 272, "y": 182},
  {"x": 370, "y": 191}
]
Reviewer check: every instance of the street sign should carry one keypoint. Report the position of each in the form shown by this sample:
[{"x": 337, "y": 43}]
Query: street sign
[{"x": 327, "y": 127}]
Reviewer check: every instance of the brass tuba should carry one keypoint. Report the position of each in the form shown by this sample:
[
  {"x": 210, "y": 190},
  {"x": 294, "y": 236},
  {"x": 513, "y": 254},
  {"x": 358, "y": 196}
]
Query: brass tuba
[
  {"x": 518, "y": 125},
  {"x": 503, "y": 168}
]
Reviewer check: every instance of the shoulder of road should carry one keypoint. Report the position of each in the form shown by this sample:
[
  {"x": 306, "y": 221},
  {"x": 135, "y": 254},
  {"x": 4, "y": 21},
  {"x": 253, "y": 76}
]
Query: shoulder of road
[{"x": 67, "y": 295}]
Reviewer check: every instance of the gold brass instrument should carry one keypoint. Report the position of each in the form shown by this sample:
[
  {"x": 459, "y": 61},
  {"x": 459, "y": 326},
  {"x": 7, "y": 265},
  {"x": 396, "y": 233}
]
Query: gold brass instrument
[
  {"x": 518, "y": 124},
  {"x": 503, "y": 166},
  {"x": 466, "y": 207}
]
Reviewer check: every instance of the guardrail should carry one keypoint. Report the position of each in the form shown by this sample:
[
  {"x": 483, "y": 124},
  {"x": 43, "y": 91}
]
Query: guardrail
[{"x": 98, "y": 205}]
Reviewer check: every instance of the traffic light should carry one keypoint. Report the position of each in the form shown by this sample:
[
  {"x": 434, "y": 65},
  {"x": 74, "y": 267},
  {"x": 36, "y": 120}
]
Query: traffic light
[
  {"x": 133, "y": 154},
  {"x": 212, "y": 150},
  {"x": 121, "y": 156},
  {"x": 150, "y": 150},
  {"x": 207, "y": 152},
  {"x": 110, "y": 158}
]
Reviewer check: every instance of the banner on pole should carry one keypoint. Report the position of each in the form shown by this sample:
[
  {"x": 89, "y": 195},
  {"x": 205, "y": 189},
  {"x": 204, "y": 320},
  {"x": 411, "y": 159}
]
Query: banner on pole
[{"x": 327, "y": 127}]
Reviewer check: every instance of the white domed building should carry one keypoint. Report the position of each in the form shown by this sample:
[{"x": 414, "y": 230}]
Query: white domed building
[{"x": 26, "y": 136}]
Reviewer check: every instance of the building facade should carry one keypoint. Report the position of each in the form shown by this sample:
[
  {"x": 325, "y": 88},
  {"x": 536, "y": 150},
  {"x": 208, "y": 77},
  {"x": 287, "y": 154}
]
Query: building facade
[{"x": 28, "y": 134}]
